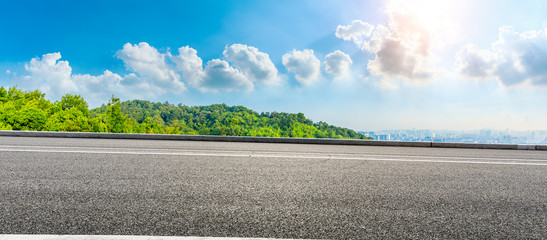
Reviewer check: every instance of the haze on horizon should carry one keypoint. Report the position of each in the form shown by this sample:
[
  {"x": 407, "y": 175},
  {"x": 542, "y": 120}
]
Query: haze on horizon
[{"x": 377, "y": 64}]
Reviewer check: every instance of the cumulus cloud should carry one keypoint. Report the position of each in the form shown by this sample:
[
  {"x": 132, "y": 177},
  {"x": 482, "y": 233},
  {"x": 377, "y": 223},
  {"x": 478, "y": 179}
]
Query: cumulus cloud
[
  {"x": 337, "y": 63},
  {"x": 243, "y": 68},
  {"x": 54, "y": 78},
  {"x": 304, "y": 65},
  {"x": 513, "y": 59},
  {"x": 152, "y": 73},
  {"x": 95, "y": 85},
  {"x": 396, "y": 57},
  {"x": 254, "y": 64},
  {"x": 217, "y": 75},
  {"x": 190, "y": 65},
  {"x": 220, "y": 75},
  {"x": 49, "y": 75},
  {"x": 356, "y": 31},
  {"x": 98, "y": 89},
  {"x": 474, "y": 63},
  {"x": 148, "y": 63},
  {"x": 402, "y": 48}
]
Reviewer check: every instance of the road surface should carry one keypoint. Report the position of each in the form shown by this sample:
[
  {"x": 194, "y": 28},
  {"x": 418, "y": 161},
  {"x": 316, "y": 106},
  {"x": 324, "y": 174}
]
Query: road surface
[{"x": 186, "y": 188}]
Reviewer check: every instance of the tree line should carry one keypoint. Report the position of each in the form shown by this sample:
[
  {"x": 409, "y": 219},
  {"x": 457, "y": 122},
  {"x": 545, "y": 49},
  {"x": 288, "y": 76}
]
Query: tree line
[{"x": 30, "y": 110}]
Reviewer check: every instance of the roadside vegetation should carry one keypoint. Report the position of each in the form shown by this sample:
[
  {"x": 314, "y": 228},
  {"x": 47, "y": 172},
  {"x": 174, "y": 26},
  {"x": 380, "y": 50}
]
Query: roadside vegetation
[{"x": 30, "y": 111}]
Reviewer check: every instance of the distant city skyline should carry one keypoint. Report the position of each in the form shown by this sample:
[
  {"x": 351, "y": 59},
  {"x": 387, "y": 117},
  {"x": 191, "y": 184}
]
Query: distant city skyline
[
  {"x": 360, "y": 64},
  {"x": 462, "y": 136}
]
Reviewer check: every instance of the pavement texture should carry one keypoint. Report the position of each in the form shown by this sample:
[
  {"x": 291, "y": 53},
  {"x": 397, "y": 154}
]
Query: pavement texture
[
  {"x": 259, "y": 190},
  {"x": 112, "y": 237}
]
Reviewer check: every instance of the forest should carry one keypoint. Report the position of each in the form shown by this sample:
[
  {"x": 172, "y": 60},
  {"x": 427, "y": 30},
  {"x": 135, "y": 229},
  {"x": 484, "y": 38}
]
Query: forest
[{"x": 31, "y": 111}]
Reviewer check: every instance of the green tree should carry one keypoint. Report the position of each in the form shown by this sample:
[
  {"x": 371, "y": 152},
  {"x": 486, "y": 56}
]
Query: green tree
[
  {"x": 70, "y": 120},
  {"x": 30, "y": 117},
  {"x": 116, "y": 122},
  {"x": 4, "y": 126},
  {"x": 30, "y": 110},
  {"x": 69, "y": 101}
]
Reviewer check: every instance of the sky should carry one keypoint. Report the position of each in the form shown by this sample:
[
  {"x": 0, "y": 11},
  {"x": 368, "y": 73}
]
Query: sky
[{"x": 361, "y": 64}]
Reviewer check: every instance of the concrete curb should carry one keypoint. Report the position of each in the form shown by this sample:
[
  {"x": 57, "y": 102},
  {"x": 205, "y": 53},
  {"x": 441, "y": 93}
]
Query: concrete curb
[
  {"x": 541, "y": 147},
  {"x": 475, "y": 145},
  {"x": 267, "y": 140}
]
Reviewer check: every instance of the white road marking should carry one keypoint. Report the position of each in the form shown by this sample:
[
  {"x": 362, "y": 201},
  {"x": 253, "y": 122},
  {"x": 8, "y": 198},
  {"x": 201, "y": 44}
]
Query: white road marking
[
  {"x": 200, "y": 152},
  {"x": 112, "y": 237},
  {"x": 388, "y": 158}
]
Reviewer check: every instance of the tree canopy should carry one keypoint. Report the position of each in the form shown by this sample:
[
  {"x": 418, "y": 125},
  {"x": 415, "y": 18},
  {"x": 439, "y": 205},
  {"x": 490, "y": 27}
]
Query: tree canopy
[{"x": 29, "y": 110}]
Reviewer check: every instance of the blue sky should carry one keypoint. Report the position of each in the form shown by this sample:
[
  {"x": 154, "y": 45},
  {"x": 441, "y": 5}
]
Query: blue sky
[{"x": 367, "y": 65}]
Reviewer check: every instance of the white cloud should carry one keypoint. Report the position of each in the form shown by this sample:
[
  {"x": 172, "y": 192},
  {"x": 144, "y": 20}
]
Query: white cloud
[
  {"x": 402, "y": 49},
  {"x": 98, "y": 89},
  {"x": 190, "y": 65},
  {"x": 255, "y": 65},
  {"x": 49, "y": 75},
  {"x": 154, "y": 73},
  {"x": 474, "y": 63},
  {"x": 149, "y": 64},
  {"x": 304, "y": 65},
  {"x": 217, "y": 75},
  {"x": 356, "y": 31},
  {"x": 55, "y": 78},
  {"x": 337, "y": 63},
  {"x": 396, "y": 57},
  {"x": 97, "y": 85},
  {"x": 515, "y": 58}
]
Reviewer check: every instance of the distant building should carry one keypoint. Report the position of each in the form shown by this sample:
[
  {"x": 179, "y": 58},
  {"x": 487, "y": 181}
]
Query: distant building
[
  {"x": 368, "y": 134},
  {"x": 486, "y": 133},
  {"x": 383, "y": 137},
  {"x": 475, "y": 136}
]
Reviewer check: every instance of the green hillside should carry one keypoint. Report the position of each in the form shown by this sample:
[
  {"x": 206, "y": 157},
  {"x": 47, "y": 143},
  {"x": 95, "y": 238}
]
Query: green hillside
[{"x": 20, "y": 110}]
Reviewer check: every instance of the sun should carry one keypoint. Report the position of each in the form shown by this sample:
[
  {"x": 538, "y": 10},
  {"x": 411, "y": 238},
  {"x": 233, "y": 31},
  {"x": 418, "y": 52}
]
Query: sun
[
  {"x": 432, "y": 17},
  {"x": 431, "y": 11},
  {"x": 426, "y": 12}
]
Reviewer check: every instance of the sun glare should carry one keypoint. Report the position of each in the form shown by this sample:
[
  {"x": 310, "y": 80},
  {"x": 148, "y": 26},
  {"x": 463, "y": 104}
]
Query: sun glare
[
  {"x": 434, "y": 17},
  {"x": 431, "y": 11}
]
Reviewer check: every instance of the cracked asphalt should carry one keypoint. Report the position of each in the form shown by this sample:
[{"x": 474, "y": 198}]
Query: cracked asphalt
[{"x": 219, "y": 189}]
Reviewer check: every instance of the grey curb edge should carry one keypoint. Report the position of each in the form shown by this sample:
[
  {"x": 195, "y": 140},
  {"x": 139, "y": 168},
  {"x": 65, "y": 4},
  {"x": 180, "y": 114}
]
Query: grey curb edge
[{"x": 267, "y": 140}]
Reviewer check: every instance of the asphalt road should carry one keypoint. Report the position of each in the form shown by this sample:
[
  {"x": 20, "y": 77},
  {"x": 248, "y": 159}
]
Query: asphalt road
[{"x": 185, "y": 188}]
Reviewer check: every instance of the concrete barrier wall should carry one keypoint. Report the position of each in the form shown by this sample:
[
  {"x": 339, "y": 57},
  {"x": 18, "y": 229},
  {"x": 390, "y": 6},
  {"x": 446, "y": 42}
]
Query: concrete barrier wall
[
  {"x": 541, "y": 147},
  {"x": 475, "y": 145},
  {"x": 268, "y": 140}
]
